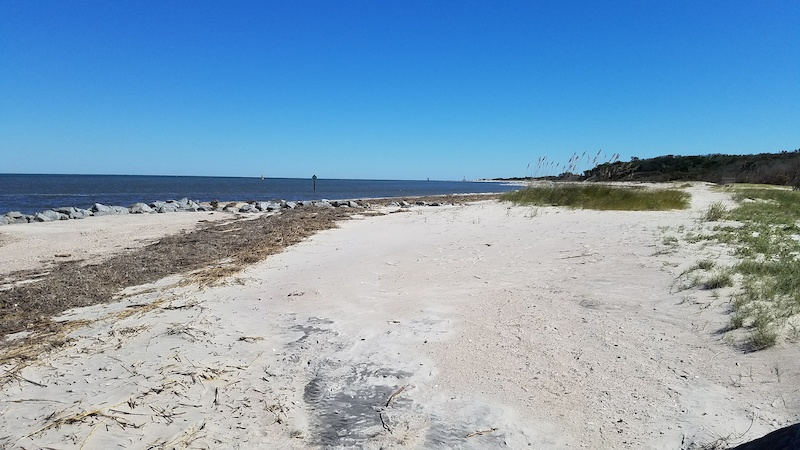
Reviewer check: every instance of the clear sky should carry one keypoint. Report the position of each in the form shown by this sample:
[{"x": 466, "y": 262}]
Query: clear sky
[{"x": 387, "y": 89}]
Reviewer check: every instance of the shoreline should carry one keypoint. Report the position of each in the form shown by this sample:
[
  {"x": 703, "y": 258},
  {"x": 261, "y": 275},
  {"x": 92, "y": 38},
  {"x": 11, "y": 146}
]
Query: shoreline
[
  {"x": 16, "y": 217},
  {"x": 33, "y": 253},
  {"x": 472, "y": 326},
  {"x": 33, "y": 194},
  {"x": 57, "y": 237}
]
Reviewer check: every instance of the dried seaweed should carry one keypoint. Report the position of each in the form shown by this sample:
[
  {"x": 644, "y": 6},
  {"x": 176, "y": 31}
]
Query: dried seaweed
[
  {"x": 29, "y": 306},
  {"x": 212, "y": 251}
]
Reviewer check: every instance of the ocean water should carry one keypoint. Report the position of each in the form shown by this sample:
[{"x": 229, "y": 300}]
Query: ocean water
[{"x": 34, "y": 193}]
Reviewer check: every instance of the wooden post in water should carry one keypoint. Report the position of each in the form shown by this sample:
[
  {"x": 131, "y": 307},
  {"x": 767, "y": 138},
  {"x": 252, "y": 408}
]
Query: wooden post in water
[{"x": 314, "y": 178}]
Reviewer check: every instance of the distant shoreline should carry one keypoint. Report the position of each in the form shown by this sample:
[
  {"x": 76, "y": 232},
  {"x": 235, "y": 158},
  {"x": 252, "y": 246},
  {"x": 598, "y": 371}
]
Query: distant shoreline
[{"x": 30, "y": 194}]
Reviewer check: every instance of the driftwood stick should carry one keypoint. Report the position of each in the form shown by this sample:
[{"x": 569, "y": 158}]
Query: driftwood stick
[
  {"x": 396, "y": 393},
  {"x": 21, "y": 378},
  {"x": 383, "y": 422},
  {"x": 482, "y": 432}
]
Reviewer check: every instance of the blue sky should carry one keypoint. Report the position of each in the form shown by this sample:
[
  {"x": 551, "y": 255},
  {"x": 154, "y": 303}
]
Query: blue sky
[{"x": 389, "y": 89}]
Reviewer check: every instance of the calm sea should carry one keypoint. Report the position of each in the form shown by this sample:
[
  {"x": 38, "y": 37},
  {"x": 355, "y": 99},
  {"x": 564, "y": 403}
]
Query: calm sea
[{"x": 34, "y": 193}]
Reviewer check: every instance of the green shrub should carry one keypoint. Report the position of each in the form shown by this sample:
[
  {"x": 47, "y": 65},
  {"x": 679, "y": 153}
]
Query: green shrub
[
  {"x": 704, "y": 264},
  {"x": 763, "y": 336},
  {"x": 716, "y": 211},
  {"x": 717, "y": 280}
]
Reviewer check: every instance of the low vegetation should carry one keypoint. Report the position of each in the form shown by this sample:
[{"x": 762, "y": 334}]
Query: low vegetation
[
  {"x": 599, "y": 196},
  {"x": 715, "y": 212},
  {"x": 704, "y": 264},
  {"x": 702, "y": 275},
  {"x": 766, "y": 237}
]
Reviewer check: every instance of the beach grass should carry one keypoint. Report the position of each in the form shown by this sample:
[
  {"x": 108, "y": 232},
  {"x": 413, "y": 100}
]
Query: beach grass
[
  {"x": 600, "y": 197},
  {"x": 715, "y": 212},
  {"x": 767, "y": 239}
]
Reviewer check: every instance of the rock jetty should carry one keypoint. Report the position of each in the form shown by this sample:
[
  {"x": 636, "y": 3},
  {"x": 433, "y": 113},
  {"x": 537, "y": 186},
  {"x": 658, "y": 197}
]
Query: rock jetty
[{"x": 186, "y": 205}]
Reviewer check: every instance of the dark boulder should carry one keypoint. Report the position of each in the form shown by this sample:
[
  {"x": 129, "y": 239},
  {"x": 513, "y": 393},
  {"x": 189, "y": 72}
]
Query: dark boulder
[
  {"x": 140, "y": 208},
  {"x": 67, "y": 210},
  {"x": 787, "y": 438},
  {"x": 47, "y": 216},
  {"x": 193, "y": 206},
  {"x": 73, "y": 213},
  {"x": 167, "y": 208},
  {"x": 81, "y": 213},
  {"x": 98, "y": 209}
]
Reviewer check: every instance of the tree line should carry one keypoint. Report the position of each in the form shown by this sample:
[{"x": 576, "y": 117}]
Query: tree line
[{"x": 765, "y": 168}]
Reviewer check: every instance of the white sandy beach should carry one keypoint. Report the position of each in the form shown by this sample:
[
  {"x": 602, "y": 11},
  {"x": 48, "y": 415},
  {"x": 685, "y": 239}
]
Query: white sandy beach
[
  {"x": 32, "y": 246},
  {"x": 466, "y": 327}
]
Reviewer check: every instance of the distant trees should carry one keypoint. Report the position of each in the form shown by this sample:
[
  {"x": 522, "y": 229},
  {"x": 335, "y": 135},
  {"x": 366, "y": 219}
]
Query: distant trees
[{"x": 765, "y": 168}]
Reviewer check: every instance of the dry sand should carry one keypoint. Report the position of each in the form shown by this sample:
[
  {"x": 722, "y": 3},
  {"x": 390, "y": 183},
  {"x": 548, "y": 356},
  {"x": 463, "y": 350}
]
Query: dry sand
[
  {"x": 36, "y": 246},
  {"x": 479, "y": 326}
]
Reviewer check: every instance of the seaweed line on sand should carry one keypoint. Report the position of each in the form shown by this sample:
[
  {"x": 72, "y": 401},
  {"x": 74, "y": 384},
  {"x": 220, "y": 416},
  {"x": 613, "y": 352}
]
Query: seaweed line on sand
[{"x": 211, "y": 252}]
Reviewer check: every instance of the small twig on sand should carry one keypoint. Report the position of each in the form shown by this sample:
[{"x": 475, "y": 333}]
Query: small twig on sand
[
  {"x": 23, "y": 400},
  {"x": 396, "y": 393},
  {"x": 56, "y": 420},
  {"x": 21, "y": 378},
  {"x": 383, "y": 422},
  {"x": 481, "y": 433},
  {"x": 712, "y": 358},
  {"x": 163, "y": 413},
  {"x": 186, "y": 306},
  {"x": 389, "y": 401},
  {"x": 94, "y": 428},
  {"x": 578, "y": 256}
]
